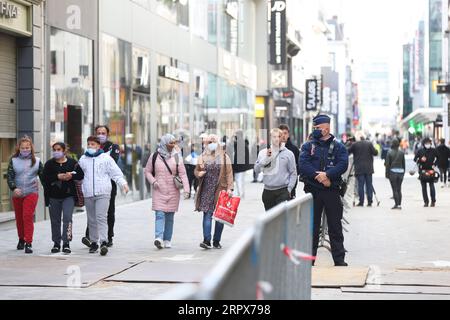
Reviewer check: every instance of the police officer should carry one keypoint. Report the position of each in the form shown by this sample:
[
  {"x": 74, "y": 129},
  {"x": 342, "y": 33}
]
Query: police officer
[{"x": 322, "y": 162}]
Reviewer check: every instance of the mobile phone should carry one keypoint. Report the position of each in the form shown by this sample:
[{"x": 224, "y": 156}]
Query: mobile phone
[{"x": 73, "y": 172}]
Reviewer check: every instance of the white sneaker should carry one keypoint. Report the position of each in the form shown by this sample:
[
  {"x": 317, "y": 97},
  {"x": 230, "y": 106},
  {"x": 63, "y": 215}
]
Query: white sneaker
[
  {"x": 167, "y": 244},
  {"x": 158, "y": 243}
]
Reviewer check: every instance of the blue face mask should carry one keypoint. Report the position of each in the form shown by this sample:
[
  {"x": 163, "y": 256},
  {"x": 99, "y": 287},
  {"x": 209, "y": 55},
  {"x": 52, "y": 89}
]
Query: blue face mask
[
  {"x": 58, "y": 154},
  {"x": 317, "y": 134},
  {"x": 91, "y": 151}
]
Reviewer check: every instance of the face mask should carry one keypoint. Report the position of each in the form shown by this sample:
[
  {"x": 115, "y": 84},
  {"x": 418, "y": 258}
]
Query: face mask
[
  {"x": 317, "y": 134},
  {"x": 427, "y": 146},
  {"x": 91, "y": 151},
  {"x": 58, "y": 154},
  {"x": 212, "y": 146},
  {"x": 25, "y": 153},
  {"x": 102, "y": 138}
]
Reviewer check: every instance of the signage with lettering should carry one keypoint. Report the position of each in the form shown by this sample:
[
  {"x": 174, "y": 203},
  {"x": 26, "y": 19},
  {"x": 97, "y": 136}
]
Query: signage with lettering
[
  {"x": 8, "y": 10},
  {"x": 278, "y": 32},
  {"x": 15, "y": 17},
  {"x": 311, "y": 94},
  {"x": 279, "y": 79},
  {"x": 174, "y": 73}
]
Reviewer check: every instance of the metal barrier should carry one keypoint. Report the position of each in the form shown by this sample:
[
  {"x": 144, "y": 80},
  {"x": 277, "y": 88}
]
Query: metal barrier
[{"x": 256, "y": 260}]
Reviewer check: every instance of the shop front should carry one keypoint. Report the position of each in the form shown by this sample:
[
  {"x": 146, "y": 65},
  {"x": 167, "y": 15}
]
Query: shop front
[{"x": 15, "y": 24}]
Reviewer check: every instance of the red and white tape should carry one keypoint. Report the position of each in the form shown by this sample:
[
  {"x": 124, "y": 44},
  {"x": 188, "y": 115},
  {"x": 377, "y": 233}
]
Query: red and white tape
[
  {"x": 261, "y": 288},
  {"x": 294, "y": 255}
]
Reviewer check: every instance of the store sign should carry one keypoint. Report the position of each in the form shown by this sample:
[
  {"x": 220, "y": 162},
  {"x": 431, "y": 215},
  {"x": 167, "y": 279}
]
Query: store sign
[
  {"x": 174, "y": 73},
  {"x": 8, "y": 10},
  {"x": 279, "y": 79},
  {"x": 15, "y": 17},
  {"x": 278, "y": 32},
  {"x": 312, "y": 89}
]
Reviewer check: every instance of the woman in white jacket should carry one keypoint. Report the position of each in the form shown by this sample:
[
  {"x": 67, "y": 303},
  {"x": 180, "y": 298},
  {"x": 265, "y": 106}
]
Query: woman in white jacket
[{"x": 99, "y": 169}]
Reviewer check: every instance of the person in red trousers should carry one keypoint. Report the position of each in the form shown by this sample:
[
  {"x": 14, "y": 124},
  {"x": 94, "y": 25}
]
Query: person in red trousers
[{"x": 23, "y": 170}]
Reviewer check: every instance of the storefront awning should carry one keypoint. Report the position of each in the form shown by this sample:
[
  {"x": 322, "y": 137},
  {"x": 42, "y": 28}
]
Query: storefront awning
[{"x": 422, "y": 115}]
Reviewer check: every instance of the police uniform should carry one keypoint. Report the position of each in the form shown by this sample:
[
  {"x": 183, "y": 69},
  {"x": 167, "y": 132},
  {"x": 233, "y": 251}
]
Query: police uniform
[{"x": 328, "y": 156}]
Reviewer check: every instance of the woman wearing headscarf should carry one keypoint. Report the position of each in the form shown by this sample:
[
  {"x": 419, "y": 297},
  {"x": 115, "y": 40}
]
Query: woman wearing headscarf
[
  {"x": 215, "y": 174},
  {"x": 395, "y": 171},
  {"x": 162, "y": 167}
]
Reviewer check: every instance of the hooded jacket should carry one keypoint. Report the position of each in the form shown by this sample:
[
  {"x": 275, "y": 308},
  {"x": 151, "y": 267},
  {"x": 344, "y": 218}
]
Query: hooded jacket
[{"x": 98, "y": 173}]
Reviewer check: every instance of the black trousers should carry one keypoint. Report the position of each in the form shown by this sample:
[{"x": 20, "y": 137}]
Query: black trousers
[
  {"x": 396, "y": 180},
  {"x": 330, "y": 201},
  {"x": 443, "y": 172},
  {"x": 111, "y": 212},
  {"x": 193, "y": 182},
  {"x": 425, "y": 192},
  {"x": 272, "y": 198}
]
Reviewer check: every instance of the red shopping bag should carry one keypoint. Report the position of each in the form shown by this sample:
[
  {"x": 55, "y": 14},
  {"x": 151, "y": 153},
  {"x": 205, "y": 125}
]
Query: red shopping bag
[{"x": 226, "y": 208}]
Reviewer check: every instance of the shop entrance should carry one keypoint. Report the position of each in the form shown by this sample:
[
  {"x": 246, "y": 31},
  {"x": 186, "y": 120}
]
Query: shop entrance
[{"x": 74, "y": 130}]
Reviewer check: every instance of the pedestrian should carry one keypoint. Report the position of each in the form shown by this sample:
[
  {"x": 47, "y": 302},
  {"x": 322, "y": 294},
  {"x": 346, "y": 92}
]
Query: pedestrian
[
  {"x": 160, "y": 170},
  {"x": 215, "y": 174},
  {"x": 99, "y": 169},
  {"x": 190, "y": 164},
  {"x": 286, "y": 139},
  {"x": 280, "y": 171},
  {"x": 113, "y": 150},
  {"x": 363, "y": 152},
  {"x": 23, "y": 170},
  {"x": 60, "y": 194},
  {"x": 426, "y": 158},
  {"x": 395, "y": 172},
  {"x": 322, "y": 163},
  {"x": 241, "y": 162},
  {"x": 131, "y": 157},
  {"x": 443, "y": 155}
]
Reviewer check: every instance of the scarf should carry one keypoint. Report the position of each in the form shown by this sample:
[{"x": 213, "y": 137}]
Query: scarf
[{"x": 162, "y": 147}]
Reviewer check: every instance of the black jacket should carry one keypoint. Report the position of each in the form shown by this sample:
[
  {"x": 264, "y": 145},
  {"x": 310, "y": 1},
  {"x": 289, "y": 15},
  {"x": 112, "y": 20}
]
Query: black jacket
[
  {"x": 241, "y": 157},
  {"x": 363, "y": 153},
  {"x": 113, "y": 149},
  {"x": 55, "y": 188},
  {"x": 443, "y": 154},
  {"x": 394, "y": 159},
  {"x": 295, "y": 150},
  {"x": 431, "y": 158}
]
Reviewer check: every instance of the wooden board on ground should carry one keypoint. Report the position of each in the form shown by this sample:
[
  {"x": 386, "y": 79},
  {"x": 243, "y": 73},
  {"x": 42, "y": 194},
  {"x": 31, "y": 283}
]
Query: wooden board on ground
[
  {"x": 58, "y": 270},
  {"x": 163, "y": 272},
  {"x": 413, "y": 278},
  {"x": 398, "y": 290},
  {"x": 336, "y": 277}
]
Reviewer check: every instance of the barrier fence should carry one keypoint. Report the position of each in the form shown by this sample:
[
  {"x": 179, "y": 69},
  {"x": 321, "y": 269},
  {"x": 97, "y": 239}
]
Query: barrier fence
[{"x": 270, "y": 261}]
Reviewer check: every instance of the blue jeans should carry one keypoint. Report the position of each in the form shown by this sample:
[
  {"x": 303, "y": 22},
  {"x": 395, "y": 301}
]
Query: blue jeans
[
  {"x": 365, "y": 179},
  {"x": 207, "y": 226},
  {"x": 164, "y": 225}
]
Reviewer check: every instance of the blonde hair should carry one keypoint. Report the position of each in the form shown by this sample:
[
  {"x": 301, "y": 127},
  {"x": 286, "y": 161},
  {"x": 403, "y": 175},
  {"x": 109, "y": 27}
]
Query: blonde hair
[{"x": 275, "y": 130}]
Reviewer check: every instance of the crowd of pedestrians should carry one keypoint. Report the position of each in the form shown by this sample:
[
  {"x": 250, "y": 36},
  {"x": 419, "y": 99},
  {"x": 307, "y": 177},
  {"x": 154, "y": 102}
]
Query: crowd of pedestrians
[{"x": 202, "y": 172}]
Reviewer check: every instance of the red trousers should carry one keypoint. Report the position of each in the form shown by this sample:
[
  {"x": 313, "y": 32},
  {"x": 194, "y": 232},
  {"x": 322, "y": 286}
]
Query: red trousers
[{"x": 24, "y": 209}]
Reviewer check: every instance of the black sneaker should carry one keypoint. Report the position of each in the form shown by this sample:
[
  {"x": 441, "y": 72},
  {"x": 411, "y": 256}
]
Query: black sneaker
[
  {"x": 28, "y": 247},
  {"x": 433, "y": 204},
  {"x": 93, "y": 248},
  {"x": 360, "y": 205},
  {"x": 86, "y": 242},
  {"x": 104, "y": 249},
  {"x": 21, "y": 245},
  {"x": 217, "y": 245},
  {"x": 341, "y": 264},
  {"x": 66, "y": 248},
  {"x": 110, "y": 243},
  {"x": 369, "y": 204},
  {"x": 425, "y": 205},
  {"x": 158, "y": 243},
  {"x": 206, "y": 245},
  {"x": 56, "y": 248}
]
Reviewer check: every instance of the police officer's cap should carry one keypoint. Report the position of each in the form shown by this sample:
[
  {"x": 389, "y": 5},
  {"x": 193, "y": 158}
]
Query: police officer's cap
[{"x": 320, "y": 119}]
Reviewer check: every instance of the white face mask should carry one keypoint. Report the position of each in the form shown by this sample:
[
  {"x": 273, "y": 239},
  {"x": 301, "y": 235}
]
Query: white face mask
[
  {"x": 212, "y": 146},
  {"x": 427, "y": 146}
]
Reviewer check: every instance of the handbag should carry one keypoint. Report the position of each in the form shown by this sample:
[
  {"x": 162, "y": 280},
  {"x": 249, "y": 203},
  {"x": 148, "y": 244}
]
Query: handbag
[
  {"x": 79, "y": 191},
  {"x": 429, "y": 176},
  {"x": 226, "y": 208},
  {"x": 176, "y": 178}
]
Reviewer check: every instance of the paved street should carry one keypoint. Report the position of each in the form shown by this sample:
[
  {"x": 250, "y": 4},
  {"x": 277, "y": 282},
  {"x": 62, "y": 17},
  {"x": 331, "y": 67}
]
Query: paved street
[{"x": 378, "y": 237}]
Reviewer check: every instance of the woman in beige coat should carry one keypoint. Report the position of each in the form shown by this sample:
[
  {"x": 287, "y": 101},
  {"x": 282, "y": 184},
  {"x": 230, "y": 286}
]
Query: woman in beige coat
[{"x": 215, "y": 174}]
